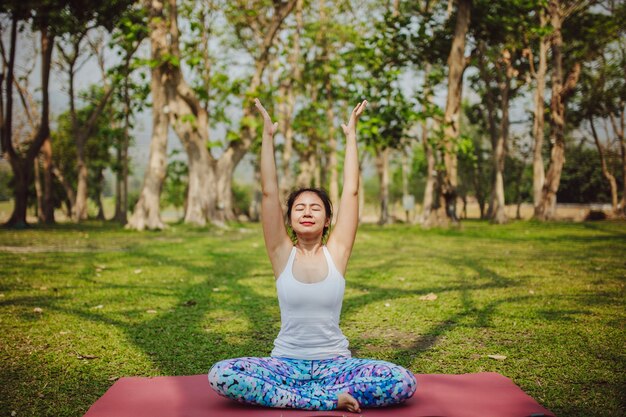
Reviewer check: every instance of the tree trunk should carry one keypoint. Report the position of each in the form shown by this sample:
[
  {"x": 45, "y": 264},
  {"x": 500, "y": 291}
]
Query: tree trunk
[
  {"x": 22, "y": 177},
  {"x": 48, "y": 193},
  {"x": 547, "y": 206},
  {"x": 307, "y": 167},
  {"x": 288, "y": 106},
  {"x": 488, "y": 76},
  {"x": 405, "y": 182},
  {"x": 248, "y": 133},
  {"x": 438, "y": 215},
  {"x": 361, "y": 195},
  {"x": 538, "y": 122},
  {"x": 605, "y": 170},
  {"x": 38, "y": 189},
  {"x": 331, "y": 166},
  {"x": 254, "y": 212},
  {"x": 43, "y": 168},
  {"x": 118, "y": 184},
  {"x": 478, "y": 185},
  {"x": 456, "y": 68},
  {"x": 82, "y": 134},
  {"x": 191, "y": 124},
  {"x": 431, "y": 171},
  {"x": 100, "y": 214},
  {"x": 619, "y": 132},
  {"x": 317, "y": 170},
  {"x": 121, "y": 183},
  {"x": 80, "y": 208},
  {"x": 431, "y": 175},
  {"x": 201, "y": 193},
  {"x": 224, "y": 172},
  {"x": 22, "y": 166},
  {"x": 333, "y": 187},
  {"x": 382, "y": 168},
  {"x": 499, "y": 214},
  {"x": 69, "y": 190},
  {"x": 147, "y": 212}
]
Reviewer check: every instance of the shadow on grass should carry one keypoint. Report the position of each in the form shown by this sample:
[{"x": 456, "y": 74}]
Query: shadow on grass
[
  {"x": 490, "y": 280},
  {"x": 188, "y": 337}
]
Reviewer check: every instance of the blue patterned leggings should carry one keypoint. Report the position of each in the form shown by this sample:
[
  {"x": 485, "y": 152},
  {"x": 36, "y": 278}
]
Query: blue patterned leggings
[{"x": 311, "y": 384}]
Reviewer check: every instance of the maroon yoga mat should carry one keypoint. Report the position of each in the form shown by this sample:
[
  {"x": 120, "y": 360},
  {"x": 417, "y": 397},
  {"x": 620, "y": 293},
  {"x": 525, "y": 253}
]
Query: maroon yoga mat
[{"x": 469, "y": 395}]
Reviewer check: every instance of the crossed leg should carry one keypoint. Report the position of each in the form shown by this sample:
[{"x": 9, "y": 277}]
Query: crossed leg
[{"x": 312, "y": 384}]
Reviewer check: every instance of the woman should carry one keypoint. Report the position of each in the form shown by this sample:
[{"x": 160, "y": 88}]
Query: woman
[{"x": 310, "y": 366}]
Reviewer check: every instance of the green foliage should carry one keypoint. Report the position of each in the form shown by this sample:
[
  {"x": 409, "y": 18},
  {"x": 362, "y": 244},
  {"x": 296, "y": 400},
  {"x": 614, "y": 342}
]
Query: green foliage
[
  {"x": 176, "y": 182},
  {"x": 416, "y": 177},
  {"x": 587, "y": 33},
  {"x": 98, "y": 145},
  {"x": 67, "y": 16},
  {"x": 390, "y": 113},
  {"x": 6, "y": 177},
  {"x": 242, "y": 197},
  {"x": 582, "y": 180}
]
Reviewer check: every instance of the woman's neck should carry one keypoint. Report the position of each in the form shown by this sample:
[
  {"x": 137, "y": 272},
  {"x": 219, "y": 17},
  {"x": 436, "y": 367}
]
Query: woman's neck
[{"x": 310, "y": 245}]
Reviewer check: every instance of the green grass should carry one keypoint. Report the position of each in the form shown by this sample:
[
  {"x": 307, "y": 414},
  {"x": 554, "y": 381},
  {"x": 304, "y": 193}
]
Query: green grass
[{"x": 549, "y": 297}]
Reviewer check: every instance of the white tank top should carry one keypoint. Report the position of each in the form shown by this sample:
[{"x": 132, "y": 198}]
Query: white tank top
[{"x": 309, "y": 315}]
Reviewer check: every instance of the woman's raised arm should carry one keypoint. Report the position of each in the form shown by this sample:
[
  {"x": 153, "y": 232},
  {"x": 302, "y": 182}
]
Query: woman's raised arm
[
  {"x": 277, "y": 242},
  {"x": 342, "y": 236}
]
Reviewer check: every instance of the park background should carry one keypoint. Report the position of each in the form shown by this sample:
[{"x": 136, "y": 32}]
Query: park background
[{"x": 493, "y": 168}]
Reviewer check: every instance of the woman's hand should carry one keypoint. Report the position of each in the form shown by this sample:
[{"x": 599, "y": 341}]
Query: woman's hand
[
  {"x": 269, "y": 128},
  {"x": 350, "y": 128}
]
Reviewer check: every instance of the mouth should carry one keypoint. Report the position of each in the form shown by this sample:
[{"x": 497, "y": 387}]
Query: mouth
[{"x": 307, "y": 223}]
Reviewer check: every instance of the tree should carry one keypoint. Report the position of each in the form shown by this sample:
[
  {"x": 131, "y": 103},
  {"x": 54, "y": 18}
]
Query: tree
[
  {"x": 441, "y": 141},
  {"x": 582, "y": 181},
  {"x": 390, "y": 115},
  {"x": 81, "y": 131},
  {"x": 496, "y": 27},
  {"x": 21, "y": 157},
  {"x": 176, "y": 103},
  {"x": 599, "y": 105},
  {"x": 579, "y": 33},
  {"x": 287, "y": 101},
  {"x": 50, "y": 19},
  {"x": 539, "y": 34},
  {"x": 146, "y": 213},
  {"x": 175, "y": 186},
  {"x": 474, "y": 166},
  {"x": 456, "y": 67},
  {"x": 96, "y": 151},
  {"x": 130, "y": 98}
]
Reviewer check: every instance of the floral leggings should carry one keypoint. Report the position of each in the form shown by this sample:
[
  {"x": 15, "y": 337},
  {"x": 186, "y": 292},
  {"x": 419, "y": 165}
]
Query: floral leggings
[{"x": 311, "y": 384}]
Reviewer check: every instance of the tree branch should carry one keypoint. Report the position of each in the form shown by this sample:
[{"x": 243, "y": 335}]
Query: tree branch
[{"x": 570, "y": 83}]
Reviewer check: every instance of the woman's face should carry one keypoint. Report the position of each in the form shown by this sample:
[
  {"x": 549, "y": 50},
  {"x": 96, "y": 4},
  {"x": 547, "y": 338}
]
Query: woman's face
[{"x": 308, "y": 215}]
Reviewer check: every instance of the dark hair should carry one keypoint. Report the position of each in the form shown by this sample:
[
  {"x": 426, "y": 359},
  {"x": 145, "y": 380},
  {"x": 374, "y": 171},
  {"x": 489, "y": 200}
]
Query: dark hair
[{"x": 321, "y": 193}]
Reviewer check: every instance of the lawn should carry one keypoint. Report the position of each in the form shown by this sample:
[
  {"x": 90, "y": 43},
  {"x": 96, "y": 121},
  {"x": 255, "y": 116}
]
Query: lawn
[{"x": 81, "y": 306}]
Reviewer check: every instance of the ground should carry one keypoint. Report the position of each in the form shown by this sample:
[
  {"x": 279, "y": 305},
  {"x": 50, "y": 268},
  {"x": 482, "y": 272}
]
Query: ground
[{"x": 82, "y": 305}]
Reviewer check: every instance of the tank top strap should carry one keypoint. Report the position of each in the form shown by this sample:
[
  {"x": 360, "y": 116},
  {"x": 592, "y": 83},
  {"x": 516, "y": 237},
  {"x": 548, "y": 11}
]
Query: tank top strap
[
  {"x": 292, "y": 257},
  {"x": 329, "y": 259},
  {"x": 289, "y": 265}
]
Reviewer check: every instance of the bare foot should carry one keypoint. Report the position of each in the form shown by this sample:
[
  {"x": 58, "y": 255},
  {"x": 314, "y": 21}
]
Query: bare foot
[{"x": 346, "y": 401}]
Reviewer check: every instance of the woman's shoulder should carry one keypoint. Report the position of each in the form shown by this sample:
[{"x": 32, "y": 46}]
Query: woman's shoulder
[
  {"x": 339, "y": 256},
  {"x": 280, "y": 257}
]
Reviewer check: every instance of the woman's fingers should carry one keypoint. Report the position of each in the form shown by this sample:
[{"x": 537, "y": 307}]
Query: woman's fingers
[
  {"x": 361, "y": 107},
  {"x": 260, "y": 107},
  {"x": 266, "y": 117}
]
